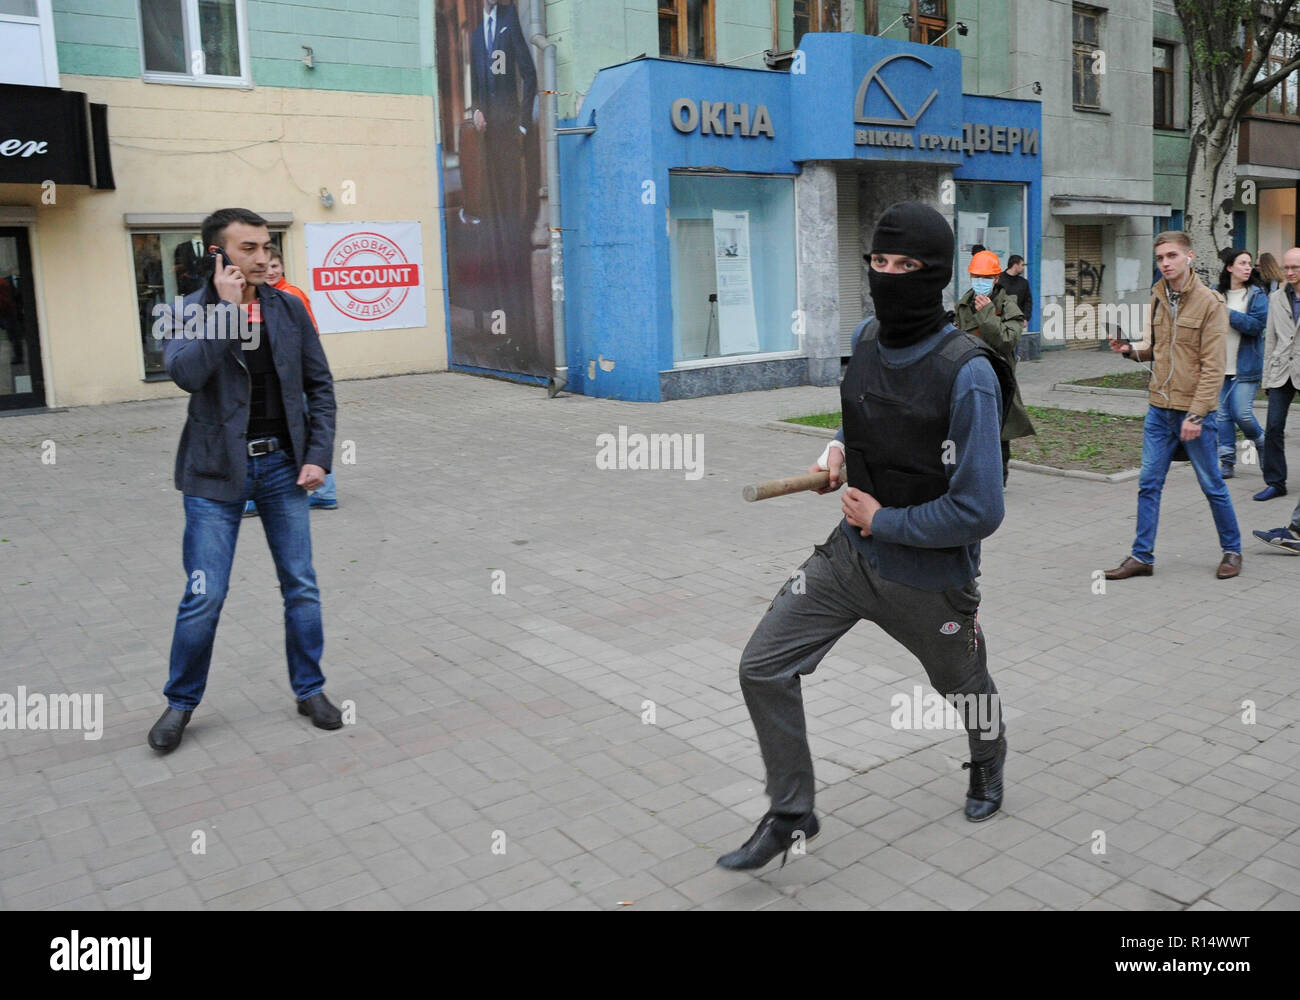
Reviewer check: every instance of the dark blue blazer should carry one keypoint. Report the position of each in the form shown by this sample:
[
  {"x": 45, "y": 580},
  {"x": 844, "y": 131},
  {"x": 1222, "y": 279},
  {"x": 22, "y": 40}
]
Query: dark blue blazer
[
  {"x": 212, "y": 460},
  {"x": 498, "y": 95}
]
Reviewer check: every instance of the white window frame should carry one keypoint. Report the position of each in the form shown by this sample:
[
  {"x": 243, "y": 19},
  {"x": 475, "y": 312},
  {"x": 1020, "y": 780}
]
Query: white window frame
[
  {"x": 190, "y": 11},
  {"x": 44, "y": 21}
]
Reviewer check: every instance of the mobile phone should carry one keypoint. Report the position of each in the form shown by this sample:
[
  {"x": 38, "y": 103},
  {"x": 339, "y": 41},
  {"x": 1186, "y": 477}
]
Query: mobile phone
[{"x": 218, "y": 254}]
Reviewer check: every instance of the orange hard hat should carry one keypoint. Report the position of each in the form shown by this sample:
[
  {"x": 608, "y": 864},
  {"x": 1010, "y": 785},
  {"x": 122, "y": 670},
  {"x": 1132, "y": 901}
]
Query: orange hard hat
[{"x": 985, "y": 263}]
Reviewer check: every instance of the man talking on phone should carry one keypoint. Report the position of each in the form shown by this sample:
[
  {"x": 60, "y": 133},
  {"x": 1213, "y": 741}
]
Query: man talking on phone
[{"x": 247, "y": 436}]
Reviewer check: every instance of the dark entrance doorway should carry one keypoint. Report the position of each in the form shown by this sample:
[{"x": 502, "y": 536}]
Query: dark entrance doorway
[{"x": 22, "y": 382}]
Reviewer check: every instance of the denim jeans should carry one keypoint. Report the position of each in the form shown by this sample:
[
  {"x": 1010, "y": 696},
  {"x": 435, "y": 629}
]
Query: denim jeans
[
  {"x": 1236, "y": 400},
  {"x": 211, "y": 529},
  {"x": 329, "y": 489},
  {"x": 1274, "y": 461},
  {"x": 1160, "y": 434}
]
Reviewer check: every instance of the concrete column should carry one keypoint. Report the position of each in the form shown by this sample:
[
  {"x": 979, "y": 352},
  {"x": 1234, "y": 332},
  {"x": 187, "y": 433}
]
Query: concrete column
[{"x": 817, "y": 272}]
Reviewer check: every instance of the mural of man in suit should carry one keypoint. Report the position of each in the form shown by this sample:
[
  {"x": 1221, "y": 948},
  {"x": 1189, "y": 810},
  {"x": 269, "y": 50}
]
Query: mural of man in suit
[{"x": 503, "y": 82}]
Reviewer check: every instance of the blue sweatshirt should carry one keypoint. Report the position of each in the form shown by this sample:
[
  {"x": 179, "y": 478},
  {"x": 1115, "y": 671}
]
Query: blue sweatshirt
[{"x": 972, "y": 508}]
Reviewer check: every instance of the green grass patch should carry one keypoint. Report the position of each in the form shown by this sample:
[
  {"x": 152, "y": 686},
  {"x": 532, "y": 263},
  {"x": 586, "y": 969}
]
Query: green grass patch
[
  {"x": 1089, "y": 441},
  {"x": 831, "y": 420},
  {"x": 1131, "y": 380},
  {"x": 1136, "y": 379}
]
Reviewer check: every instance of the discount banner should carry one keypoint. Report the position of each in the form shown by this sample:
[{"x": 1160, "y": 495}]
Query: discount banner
[{"x": 366, "y": 275}]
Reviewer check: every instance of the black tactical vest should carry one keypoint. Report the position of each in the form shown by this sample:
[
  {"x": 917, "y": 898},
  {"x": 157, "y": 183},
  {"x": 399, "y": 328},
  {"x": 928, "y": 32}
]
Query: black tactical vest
[{"x": 896, "y": 419}]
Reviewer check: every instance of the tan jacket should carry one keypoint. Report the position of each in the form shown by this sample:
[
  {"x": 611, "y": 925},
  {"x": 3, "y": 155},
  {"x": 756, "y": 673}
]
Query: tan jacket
[{"x": 1189, "y": 353}]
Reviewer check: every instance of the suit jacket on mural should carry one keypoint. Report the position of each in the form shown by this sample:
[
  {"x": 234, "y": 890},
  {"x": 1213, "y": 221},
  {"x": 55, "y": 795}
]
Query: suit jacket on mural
[{"x": 505, "y": 97}]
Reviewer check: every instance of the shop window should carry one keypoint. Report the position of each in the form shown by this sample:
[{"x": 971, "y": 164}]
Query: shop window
[
  {"x": 686, "y": 29},
  {"x": 169, "y": 264},
  {"x": 1283, "y": 101},
  {"x": 27, "y": 41},
  {"x": 1162, "y": 80},
  {"x": 194, "y": 41},
  {"x": 931, "y": 21},
  {"x": 732, "y": 249},
  {"x": 993, "y": 216},
  {"x": 1087, "y": 57}
]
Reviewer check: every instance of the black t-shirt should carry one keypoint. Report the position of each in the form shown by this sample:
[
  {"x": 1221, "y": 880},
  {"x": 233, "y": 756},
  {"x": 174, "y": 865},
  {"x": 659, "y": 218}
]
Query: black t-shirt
[
  {"x": 266, "y": 417},
  {"x": 1018, "y": 287}
]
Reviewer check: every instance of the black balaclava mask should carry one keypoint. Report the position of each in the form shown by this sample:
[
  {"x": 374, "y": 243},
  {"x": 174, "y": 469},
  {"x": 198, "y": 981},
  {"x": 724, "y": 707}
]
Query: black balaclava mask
[{"x": 910, "y": 306}]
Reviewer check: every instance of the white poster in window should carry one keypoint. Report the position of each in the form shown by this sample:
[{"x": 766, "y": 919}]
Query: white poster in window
[
  {"x": 998, "y": 239},
  {"x": 366, "y": 275},
  {"x": 737, "y": 323},
  {"x": 971, "y": 227}
]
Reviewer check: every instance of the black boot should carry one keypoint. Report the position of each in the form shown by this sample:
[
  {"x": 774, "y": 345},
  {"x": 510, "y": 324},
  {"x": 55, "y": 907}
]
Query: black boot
[
  {"x": 984, "y": 796},
  {"x": 775, "y": 834},
  {"x": 165, "y": 736}
]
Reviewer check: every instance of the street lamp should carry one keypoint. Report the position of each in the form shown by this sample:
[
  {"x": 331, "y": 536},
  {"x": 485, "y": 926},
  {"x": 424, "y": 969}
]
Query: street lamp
[
  {"x": 961, "y": 30},
  {"x": 905, "y": 18}
]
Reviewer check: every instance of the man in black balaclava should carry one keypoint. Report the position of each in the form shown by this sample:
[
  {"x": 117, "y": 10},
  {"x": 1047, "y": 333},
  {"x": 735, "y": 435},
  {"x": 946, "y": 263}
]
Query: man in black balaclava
[{"x": 920, "y": 449}]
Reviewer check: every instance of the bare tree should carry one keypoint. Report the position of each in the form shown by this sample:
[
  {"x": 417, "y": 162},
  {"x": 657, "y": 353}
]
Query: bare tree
[{"x": 1229, "y": 43}]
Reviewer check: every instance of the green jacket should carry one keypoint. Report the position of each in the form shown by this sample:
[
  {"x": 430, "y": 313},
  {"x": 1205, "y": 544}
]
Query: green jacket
[{"x": 999, "y": 324}]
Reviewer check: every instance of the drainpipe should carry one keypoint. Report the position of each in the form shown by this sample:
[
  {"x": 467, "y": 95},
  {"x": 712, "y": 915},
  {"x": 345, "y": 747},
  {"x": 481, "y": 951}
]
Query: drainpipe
[{"x": 537, "y": 31}]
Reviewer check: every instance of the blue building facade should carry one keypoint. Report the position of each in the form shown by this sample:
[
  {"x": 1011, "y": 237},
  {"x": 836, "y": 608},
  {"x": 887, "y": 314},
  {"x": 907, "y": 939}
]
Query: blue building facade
[{"x": 715, "y": 220}]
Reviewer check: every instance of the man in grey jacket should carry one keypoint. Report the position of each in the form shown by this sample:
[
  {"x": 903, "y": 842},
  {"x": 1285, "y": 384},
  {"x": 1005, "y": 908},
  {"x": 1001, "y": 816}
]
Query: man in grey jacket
[
  {"x": 246, "y": 353},
  {"x": 1281, "y": 373}
]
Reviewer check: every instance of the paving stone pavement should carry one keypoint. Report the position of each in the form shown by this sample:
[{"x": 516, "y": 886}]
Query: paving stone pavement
[{"x": 503, "y": 754}]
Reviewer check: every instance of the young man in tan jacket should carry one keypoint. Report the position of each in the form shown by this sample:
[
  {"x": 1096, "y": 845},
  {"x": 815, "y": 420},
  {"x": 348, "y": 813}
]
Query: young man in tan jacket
[{"x": 1188, "y": 334}]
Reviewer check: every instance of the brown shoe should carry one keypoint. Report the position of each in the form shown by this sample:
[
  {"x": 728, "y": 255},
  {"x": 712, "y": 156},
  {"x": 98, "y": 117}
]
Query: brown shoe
[
  {"x": 1131, "y": 567},
  {"x": 1230, "y": 567}
]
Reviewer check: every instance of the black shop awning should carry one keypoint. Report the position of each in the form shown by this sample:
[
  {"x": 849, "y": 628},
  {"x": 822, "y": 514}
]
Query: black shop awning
[{"x": 48, "y": 134}]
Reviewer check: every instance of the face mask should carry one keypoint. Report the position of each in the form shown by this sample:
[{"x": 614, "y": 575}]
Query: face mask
[{"x": 982, "y": 286}]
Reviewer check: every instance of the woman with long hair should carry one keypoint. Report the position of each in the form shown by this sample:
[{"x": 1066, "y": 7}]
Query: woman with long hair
[
  {"x": 1247, "y": 312},
  {"x": 1270, "y": 273}
]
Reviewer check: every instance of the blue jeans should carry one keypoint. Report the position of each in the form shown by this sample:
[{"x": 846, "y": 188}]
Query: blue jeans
[
  {"x": 1160, "y": 435},
  {"x": 1236, "y": 400},
  {"x": 329, "y": 489},
  {"x": 211, "y": 529},
  {"x": 1274, "y": 461}
]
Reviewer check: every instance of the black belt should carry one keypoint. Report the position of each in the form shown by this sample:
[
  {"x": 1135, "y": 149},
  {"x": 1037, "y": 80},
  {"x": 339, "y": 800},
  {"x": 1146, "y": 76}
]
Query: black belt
[{"x": 263, "y": 446}]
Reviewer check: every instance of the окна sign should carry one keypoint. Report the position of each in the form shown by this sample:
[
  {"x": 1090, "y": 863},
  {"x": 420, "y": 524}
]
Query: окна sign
[
  {"x": 721, "y": 118},
  {"x": 370, "y": 275}
]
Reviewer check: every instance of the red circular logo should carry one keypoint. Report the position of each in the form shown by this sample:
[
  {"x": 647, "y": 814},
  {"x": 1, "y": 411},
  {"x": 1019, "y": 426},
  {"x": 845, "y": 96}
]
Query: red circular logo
[{"x": 366, "y": 276}]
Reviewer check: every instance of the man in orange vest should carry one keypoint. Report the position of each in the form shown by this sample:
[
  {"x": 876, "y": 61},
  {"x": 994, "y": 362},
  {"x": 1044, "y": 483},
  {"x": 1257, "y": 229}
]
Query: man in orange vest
[{"x": 276, "y": 279}]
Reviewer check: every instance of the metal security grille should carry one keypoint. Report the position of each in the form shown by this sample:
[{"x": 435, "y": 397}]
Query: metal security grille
[
  {"x": 1083, "y": 277},
  {"x": 849, "y": 254}
]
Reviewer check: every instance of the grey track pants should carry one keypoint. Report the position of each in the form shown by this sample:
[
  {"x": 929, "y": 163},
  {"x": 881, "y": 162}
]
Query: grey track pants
[{"x": 839, "y": 589}]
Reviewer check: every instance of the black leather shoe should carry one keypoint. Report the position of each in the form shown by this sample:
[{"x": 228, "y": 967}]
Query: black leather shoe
[
  {"x": 165, "y": 736},
  {"x": 984, "y": 796},
  {"x": 323, "y": 714},
  {"x": 775, "y": 835}
]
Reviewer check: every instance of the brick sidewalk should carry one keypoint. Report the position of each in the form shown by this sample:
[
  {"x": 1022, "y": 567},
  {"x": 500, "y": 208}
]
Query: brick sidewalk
[{"x": 515, "y": 720}]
